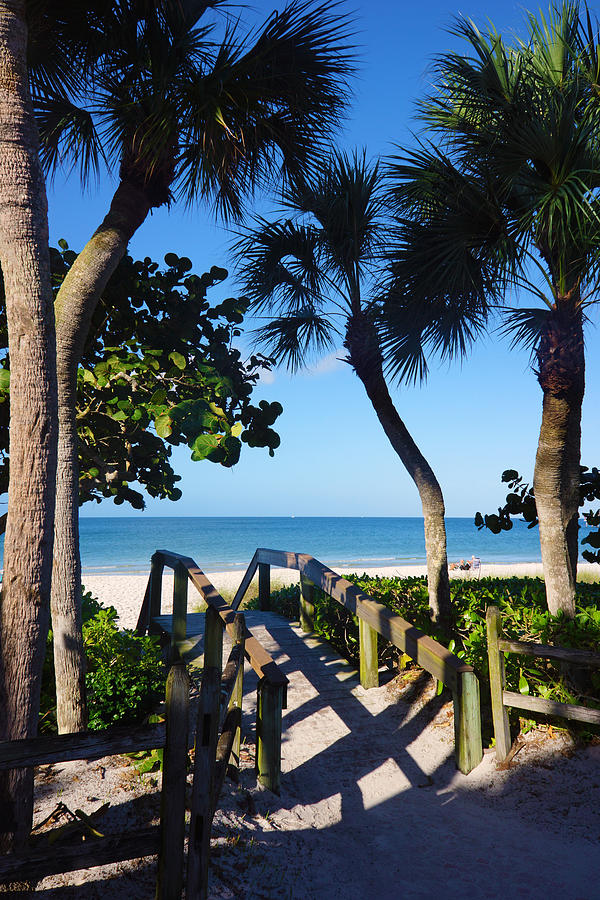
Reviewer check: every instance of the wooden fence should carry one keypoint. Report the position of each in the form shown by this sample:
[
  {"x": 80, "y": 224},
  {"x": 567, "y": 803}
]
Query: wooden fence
[
  {"x": 501, "y": 699},
  {"x": 215, "y": 735},
  {"x": 373, "y": 619}
]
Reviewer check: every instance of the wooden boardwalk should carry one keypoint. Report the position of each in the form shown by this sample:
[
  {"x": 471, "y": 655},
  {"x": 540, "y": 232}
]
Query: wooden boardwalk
[{"x": 372, "y": 805}]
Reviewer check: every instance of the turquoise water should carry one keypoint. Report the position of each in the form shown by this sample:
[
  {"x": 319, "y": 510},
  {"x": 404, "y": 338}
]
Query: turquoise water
[{"x": 124, "y": 545}]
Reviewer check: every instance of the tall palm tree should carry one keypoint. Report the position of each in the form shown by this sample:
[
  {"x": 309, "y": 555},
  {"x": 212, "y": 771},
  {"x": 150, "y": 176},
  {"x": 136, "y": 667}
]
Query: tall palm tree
[
  {"x": 503, "y": 195},
  {"x": 316, "y": 273},
  {"x": 186, "y": 115},
  {"x": 24, "y": 605}
]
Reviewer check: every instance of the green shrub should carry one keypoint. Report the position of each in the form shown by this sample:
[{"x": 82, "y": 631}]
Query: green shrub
[
  {"x": 525, "y": 617},
  {"x": 125, "y": 676}
]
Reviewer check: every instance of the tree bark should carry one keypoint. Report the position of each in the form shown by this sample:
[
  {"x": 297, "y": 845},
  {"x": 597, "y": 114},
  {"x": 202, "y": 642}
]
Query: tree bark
[
  {"x": 74, "y": 307},
  {"x": 366, "y": 360},
  {"x": 561, "y": 373},
  {"x": 24, "y": 612}
]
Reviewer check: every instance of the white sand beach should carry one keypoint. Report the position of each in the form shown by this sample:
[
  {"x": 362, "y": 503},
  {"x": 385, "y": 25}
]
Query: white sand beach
[{"x": 126, "y": 592}]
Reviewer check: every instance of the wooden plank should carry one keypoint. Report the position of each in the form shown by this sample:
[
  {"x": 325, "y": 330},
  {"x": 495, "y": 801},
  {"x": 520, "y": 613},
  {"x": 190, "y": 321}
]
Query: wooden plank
[
  {"x": 551, "y": 707},
  {"x": 246, "y": 582},
  {"x": 264, "y": 586},
  {"x": 237, "y": 694},
  {"x": 497, "y": 683},
  {"x": 46, "y": 750},
  {"x": 143, "y": 622},
  {"x": 268, "y": 735},
  {"x": 432, "y": 656},
  {"x": 307, "y": 604},
  {"x": 180, "y": 599},
  {"x": 213, "y": 639},
  {"x": 468, "y": 745},
  {"x": 202, "y": 793},
  {"x": 231, "y": 727},
  {"x": 39, "y": 863},
  {"x": 169, "y": 883},
  {"x": 547, "y": 651},
  {"x": 369, "y": 663},
  {"x": 233, "y": 665},
  {"x": 156, "y": 573}
]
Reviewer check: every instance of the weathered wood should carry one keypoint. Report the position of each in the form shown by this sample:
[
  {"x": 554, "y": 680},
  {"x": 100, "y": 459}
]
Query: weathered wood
[
  {"x": 430, "y": 655},
  {"x": 143, "y": 622},
  {"x": 238, "y": 693},
  {"x": 257, "y": 656},
  {"x": 233, "y": 665},
  {"x": 169, "y": 882},
  {"x": 180, "y": 599},
  {"x": 497, "y": 683},
  {"x": 245, "y": 582},
  {"x": 231, "y": 727},
  {"x": 156, "y": 573},
  {"x": 213, "y": 640},
  {"x": 202, "y": 793},
  {"x": 41, "y": 862},
  {"x": 468, "y": 746},
  {"x": 369, "y": 663},
  {"x": 41, "y": 751},
  {"x": 547, "y": 651},
  {"x": 551, "y": 707},
  {"x": 264, "y": 586},
  {"x": 307, "y": 604},
  {"x": 268, "y": 735}
]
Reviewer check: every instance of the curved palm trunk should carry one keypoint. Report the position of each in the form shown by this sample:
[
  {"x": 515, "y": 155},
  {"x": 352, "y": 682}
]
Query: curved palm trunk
[
  {"x": 365, "y": 358},
  {"x": 74, "y": 307},
  {"x": 561, "y": 364},
  {"x": 28, "y": 544}
]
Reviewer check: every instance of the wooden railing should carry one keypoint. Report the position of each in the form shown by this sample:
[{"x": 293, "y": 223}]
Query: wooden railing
[
  {"x": 375, "y": 618},
  {"x": 272, "y": 683},
  {"x": 501, "y": 699}
]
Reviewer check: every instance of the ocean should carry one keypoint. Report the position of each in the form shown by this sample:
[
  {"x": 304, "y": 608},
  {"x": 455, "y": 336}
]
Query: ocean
[{"x": 125, "y": 545}]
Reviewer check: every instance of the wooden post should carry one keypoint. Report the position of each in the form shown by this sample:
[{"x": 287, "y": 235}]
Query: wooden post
[
  {"x": 307, "y": 604},
  {"x": 264, "y": 586},
  {"x": 467, "y": 723},
  {"x": 497, "y": 683},
  {"x": 172, "y": 799},
  {"x": 213, "y": 640},
  {"x": 268, "y": 734},
  {"x": 180, "y": 598},
  {"x": 156, "y": 572},
  {"x": 207, "y": 731},
  {"x": 369, "y": 664},
  {"x": 238, "y": 692}
]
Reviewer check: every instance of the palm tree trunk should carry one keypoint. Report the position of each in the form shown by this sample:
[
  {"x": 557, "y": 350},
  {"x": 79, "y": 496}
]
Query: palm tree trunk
[
  {"x": 74, "y": 307},
  {"x": 561, "y": 373},
  {"x": 365, "y": 357},
  {"x": 28, "y": 543}
]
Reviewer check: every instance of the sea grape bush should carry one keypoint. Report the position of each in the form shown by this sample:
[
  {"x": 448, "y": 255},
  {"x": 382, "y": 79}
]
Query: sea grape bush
[
  {"x": 125, "y": 676},
  {"x": 525, "y": 617}
]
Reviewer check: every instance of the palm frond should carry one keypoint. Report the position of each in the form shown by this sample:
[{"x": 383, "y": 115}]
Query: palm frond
[
  {"x": 525, "y": 326},
  {"x": 68, "y": 135},
  {"x": 294, "y": 339}
]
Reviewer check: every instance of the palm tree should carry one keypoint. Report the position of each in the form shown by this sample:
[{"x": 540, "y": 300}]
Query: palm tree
[
  {"x": 24, "y": 607},
  {"x": 183, "y": 115},
  {"x": 504, "y": 196},
  {"x": 318, "y": 268}
]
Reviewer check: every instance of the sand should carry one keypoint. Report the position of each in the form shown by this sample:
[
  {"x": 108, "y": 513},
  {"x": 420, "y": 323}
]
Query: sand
[
  {"x": 372, "y": 805},
  {"x": 126, "y": 592}
]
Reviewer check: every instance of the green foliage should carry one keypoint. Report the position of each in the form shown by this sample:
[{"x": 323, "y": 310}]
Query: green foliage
[
  {"x": 158, "y": 370},
  {"x": 520, "y": 501},
  {"x": 525, "y": 617},
  {"x": 125, "y": 676}
]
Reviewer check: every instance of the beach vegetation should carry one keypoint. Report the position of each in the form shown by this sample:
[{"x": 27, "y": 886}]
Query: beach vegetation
[
  {"x": 125, "y": 672},
  {"x": 500, "y": 200},
  {"x": 180, "y": 110},
  {"x": 313, "y": 272},
  {"x": 520, "y": 501},
  {"x": 525, "y": 617}
]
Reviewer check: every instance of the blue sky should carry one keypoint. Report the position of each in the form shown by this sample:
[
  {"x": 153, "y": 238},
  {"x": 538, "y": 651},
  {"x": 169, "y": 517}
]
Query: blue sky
[{"x": 471, "y": 420}]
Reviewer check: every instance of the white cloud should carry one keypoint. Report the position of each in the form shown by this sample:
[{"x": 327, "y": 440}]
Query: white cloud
[{"x": 330, "y": 363}]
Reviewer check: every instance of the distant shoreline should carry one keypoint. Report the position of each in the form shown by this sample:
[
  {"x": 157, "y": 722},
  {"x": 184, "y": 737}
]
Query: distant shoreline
[{"x": 126, "y": 592}]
